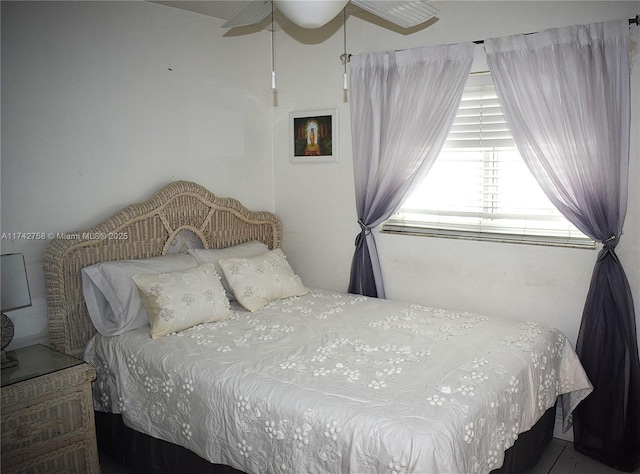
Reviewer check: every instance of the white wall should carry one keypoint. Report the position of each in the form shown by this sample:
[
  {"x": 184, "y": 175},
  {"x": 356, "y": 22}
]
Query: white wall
[
  {"x": 105, "y": 102},
  {"x": 317, "y": 204}
]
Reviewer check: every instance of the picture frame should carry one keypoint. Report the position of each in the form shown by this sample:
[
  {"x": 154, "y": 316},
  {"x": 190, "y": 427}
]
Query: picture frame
[{"x": 314, "y": 136}]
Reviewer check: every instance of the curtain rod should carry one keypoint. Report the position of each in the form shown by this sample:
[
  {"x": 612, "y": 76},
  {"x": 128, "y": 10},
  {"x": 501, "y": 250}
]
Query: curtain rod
[{"x": 632, "y": 21}]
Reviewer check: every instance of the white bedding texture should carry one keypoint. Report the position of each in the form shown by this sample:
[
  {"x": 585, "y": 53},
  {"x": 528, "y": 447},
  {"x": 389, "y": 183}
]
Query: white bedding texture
[{"x": 334, "y": 382}]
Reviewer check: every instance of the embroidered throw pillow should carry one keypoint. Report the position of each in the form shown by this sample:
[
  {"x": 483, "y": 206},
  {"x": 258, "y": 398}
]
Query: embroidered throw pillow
[
  {"x": 176, "y": 301},
  {"x": 257, "y": 281}
]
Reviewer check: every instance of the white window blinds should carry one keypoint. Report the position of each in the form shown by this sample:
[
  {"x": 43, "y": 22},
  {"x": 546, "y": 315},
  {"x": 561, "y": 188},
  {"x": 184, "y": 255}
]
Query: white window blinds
[{"x": 479, "y": 187}]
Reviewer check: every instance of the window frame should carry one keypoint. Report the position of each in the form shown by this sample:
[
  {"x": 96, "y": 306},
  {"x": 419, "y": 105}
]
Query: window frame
[{"x": 401, "y": 225}]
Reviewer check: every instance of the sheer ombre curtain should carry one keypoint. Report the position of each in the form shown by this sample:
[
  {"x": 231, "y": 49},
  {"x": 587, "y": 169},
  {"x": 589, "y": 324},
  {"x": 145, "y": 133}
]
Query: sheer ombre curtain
[
  {"x": 402, "y": 106},
  {"x": 565, "y": 94}
]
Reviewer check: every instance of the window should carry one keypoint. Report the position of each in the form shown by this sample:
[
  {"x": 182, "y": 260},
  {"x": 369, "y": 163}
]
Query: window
[{"x": 479, "y": 187}]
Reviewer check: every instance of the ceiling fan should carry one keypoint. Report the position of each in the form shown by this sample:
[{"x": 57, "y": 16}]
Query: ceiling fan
[{"x": 317, "y": 13}]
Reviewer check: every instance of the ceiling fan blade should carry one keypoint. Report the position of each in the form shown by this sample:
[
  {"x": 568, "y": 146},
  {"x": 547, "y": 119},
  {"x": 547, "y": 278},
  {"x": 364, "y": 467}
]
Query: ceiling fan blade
[
  {"x": 253, "y": 13},
  {"x": 402, "y": 13}
]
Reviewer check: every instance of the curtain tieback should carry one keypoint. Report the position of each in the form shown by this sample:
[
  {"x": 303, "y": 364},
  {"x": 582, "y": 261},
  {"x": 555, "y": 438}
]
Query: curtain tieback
[
  {"x": 363, "y": 231},
  {"x": 363, "y": 226},
  {"x": 610, "y": 243}
]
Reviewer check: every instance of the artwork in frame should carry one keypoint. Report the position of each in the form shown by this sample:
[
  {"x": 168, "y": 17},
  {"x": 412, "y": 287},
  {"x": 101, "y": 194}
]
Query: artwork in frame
[{"x": 314, "y": 136}]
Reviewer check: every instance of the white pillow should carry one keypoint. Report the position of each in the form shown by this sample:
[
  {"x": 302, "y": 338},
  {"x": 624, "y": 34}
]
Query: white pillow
[
  {"x": 111, "y": 296},
  {"x": 179, "y": 300},
  {"x": 257, "y": 281},
  {"x": 245, "y": 250}
]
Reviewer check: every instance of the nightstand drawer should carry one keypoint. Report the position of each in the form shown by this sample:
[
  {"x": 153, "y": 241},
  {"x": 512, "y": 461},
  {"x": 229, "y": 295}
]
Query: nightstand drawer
[
  {"x": 74, "y": 458},
  {"x": 46, "y": 426}
]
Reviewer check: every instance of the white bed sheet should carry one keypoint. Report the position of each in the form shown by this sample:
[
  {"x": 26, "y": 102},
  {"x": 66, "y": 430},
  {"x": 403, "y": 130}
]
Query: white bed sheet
[{"x": 331, "y": 382}]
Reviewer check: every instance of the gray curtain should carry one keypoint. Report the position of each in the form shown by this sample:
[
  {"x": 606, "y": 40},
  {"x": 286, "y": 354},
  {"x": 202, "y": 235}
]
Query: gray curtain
[
  {"x": 402, "y": 106},
  {"x": 565, "y": 94}
]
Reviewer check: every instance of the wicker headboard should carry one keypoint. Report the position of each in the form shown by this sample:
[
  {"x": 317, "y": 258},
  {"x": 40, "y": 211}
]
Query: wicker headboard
[{"x": 140, "y": 231}]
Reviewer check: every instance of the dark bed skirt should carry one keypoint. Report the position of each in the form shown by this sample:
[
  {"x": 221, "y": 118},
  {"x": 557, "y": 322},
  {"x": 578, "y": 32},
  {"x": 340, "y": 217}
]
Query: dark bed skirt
[
  {"x": 144, "y": 454},
  {"x": 148, "y": 455},
  {"x": 526, "y": 451}
]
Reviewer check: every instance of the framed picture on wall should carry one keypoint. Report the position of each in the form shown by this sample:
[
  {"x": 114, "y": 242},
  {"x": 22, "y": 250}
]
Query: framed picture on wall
[{"x": 314, "y": 136}]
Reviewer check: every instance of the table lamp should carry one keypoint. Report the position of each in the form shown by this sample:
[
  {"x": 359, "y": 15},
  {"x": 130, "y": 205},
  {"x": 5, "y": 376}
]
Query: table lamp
[{"x": 14, "y": 295}]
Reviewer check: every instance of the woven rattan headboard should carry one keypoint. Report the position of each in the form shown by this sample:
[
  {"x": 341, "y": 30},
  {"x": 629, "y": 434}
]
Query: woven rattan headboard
[{"x": 140, "y": 231}]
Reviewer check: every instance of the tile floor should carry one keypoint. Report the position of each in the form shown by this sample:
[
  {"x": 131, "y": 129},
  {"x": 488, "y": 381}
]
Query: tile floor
[
  {"x": 558, "y": 458},
  {"x": 561, "y": 458}
]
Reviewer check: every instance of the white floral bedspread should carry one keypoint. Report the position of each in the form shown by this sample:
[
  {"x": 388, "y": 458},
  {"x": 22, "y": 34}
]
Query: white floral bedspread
[{"x": 332, "y": 382}]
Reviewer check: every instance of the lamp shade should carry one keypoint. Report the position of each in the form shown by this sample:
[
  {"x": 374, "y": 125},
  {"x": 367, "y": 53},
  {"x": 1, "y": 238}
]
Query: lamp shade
[
  {"x": 311, "y": 13},
  {"x": 15, "y": 287}
]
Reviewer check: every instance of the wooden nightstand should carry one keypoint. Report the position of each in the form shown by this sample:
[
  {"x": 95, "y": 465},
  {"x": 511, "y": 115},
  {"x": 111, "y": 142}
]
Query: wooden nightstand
[{"x": 47, "y": 414}]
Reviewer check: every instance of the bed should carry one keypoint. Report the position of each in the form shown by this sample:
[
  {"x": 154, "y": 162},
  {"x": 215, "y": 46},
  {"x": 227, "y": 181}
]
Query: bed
[{"x": 293, "y": 379}]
